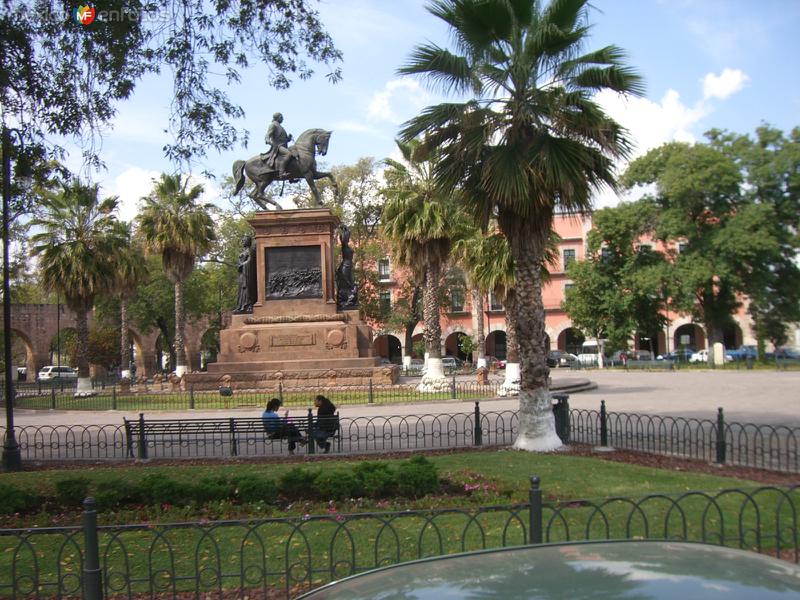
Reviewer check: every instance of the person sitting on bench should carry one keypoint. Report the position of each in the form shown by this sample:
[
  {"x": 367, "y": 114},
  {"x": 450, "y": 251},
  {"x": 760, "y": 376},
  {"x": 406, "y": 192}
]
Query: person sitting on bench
[
  {"x": 278, "y": 427},
  {"x": 327, "y": 422}
]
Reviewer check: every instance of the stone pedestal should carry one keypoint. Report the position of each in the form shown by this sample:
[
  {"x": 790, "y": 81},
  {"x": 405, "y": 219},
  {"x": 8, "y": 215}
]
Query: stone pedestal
[{"x": 295, "y": 335}]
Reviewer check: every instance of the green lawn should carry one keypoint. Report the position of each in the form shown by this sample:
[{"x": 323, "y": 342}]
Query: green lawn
[{"x": 277, "y": 547}]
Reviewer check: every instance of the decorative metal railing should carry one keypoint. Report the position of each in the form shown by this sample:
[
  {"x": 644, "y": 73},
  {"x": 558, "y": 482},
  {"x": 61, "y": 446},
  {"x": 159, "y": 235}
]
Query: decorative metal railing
[
  {"x": 284, "y": 557},
  {"x": 60, "y": 396},
  {"x": 745, "y": 444}
]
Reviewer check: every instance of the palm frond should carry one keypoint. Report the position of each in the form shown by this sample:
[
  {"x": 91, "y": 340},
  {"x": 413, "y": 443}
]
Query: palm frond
[
  {"x": 443, "y": 71},
  {"x": 619, "y": 79}
]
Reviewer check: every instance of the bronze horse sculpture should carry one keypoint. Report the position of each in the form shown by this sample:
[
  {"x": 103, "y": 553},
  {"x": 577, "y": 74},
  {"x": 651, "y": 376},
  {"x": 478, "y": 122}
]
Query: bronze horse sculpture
[{"x": 303, "y": 166}]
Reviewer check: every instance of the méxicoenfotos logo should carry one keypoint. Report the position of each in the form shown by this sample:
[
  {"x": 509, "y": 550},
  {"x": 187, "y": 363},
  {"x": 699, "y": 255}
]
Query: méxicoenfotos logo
[{"x": 89, "y": 14}]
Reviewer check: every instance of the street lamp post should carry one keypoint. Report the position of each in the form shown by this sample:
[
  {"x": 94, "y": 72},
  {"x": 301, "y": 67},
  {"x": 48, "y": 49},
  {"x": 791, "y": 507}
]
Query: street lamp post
[{"x": 12, "y": 460}]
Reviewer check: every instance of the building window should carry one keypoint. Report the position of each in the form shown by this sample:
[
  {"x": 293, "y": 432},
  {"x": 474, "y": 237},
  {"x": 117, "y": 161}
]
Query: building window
[
  {"x": 569, "y": 257},
  {"x": 457, "y": 300},
  {"x": 644, "y": 248},
  {"x": 386, "y": 301},
  {"x": 606, "y": 254},
  {"x": 384, "y": 272},
  {"x": 494, "y": 302},
  {"x": 568, "y": 286},
  {"x": 682, "y": 247}
]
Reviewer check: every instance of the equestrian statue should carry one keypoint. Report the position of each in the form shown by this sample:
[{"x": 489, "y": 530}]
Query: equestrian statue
[{"x": 283, "y": 162}]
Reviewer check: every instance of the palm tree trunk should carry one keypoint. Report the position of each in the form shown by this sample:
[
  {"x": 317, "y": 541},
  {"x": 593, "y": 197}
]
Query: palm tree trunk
[
  {"x": 124, "y": 339},
  {"x": 410, "y": 326},
  {"x": 180, "y": 326},
  {"x": 480, "y": 334},
  {"x": 433, "y": 327},
  {"x": 433, "y": 380},
  {"x": 528, "y": 241},
  {"x": 82, "y": 351},
  {"x": 510, "y": 385}
]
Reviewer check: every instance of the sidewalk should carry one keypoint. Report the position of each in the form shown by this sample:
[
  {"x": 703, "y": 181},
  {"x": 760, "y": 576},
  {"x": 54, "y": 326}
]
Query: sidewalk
[{"x": 763, "y": 397}]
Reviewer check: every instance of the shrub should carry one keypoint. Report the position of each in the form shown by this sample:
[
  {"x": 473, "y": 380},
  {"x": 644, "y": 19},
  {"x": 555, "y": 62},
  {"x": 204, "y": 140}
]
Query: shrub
[
  {"x": 417, "y": 477},
  {"x": 212, "y": 489},
  {"x": 297, "y": 483},
  {"x": 72, "y": 491},
  {"x": 114, "y": 493},
  {"x": 375, "y": 479},
  {"x": 14, "y": 500},
  {"x": 250, "y": 488},
  {"x": 336, "y": 485},
  {"x": 159, "y": 489}
]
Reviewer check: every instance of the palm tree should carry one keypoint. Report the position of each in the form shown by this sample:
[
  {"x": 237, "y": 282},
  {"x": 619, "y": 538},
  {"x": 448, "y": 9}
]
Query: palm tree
[
  {"x": 78, "y": 245},
  {"x": 418, "y": 222},
  {"x": 131, "y": 273},
  {"x": 174, "y": 226},
  {"x": 531, "y": 137}
]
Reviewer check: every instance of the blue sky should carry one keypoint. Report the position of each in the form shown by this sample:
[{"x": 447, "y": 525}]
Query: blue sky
[{"x": 729, "y": 64}]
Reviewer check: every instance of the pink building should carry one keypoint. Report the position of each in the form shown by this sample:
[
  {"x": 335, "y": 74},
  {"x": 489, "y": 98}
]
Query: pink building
[{"x": 573, "y": 230}]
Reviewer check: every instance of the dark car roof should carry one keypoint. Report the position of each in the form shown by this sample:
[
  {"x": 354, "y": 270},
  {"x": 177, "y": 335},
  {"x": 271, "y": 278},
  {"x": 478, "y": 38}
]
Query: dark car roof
[{"x": 644, "y": 570}]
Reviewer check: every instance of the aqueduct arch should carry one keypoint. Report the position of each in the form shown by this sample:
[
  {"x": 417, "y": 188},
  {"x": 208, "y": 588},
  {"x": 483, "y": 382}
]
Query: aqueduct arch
[{"x": 37, "y": 324}]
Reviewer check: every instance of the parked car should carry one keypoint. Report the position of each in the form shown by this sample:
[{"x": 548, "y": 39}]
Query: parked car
[
  {"x": 416, "y": 367},
  {"x": 640, "y": 355},
  {"x": 678, "y": 355},
  {"x": 702, "y": 357},
  {"x": 53, "y": 372},
  {"x": 786, "y": 354},
  {"x": 647, "y": 570},
  {"x": 451, "y": 364},
  {"x": 559, "y": 358},
  {"x": 744, "y": 353}
]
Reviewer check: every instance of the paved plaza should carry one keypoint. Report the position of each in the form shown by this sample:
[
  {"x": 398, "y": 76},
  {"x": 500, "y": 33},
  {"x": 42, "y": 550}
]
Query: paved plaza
[{"x": 764, "y": 397}]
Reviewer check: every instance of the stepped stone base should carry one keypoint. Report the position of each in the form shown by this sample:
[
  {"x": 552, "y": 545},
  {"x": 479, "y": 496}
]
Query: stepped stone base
[
  {"x": 295, "y": 375},
  {"x": 296, "y": 335}
]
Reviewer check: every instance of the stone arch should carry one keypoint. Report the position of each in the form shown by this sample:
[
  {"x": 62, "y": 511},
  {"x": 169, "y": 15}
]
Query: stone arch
[
  {"x": 388, "y": 346},
  {"x": 570, "y": 340},
  {"x": 417, "y": 337},
  {"x": 555, "y": 332},
  {"x": 696, "y": 336},
  {"x": 496, "y": 344},
  {"x": 30, "y": 356},
  {"x": 452, "y": 347}
]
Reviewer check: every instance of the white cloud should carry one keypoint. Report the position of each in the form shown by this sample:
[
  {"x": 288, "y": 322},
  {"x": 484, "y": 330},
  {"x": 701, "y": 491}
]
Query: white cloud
[
  {"x": 134, "y": 183},
  {"x": 405, "y": 96},
  {"x": 354, "y": 127},
  {"x": 723, "y": 85},
  {"x": 131, "y": 185},
  {"x": 652, "y": 124}
]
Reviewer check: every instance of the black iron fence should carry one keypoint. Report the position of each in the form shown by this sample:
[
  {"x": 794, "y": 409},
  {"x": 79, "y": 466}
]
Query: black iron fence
[
  {"x": 159, "y": 396},
  {"x": 283, "y": 557},
  {"x": 718, "y": 440},
  {"x": 775, "y": 447}
]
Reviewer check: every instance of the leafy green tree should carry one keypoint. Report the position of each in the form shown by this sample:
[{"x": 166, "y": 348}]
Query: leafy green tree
[
  {"x": 731, "y": 205},
  {"x": 78, "y": 243},
  {"x": 58, "y": 76},
  {"x": 173, "y": 225},
  {"x": 771, "y": 165},
  {"x": 530, "y": 139},
  {"x": 419, "y": 222},
  {"x": 618, "y": 288}
]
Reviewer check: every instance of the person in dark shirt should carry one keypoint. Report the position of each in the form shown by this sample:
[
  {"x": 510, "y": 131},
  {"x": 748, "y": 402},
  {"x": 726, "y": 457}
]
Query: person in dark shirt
[
  {"x": 327, "y": 422},
  {"x": 278, "y": 427}
]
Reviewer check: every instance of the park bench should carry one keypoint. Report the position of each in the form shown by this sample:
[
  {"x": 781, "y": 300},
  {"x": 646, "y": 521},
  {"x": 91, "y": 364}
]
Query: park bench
[
  {"x": 233, "y": 430},
  {"x": 666, "y": 365}
]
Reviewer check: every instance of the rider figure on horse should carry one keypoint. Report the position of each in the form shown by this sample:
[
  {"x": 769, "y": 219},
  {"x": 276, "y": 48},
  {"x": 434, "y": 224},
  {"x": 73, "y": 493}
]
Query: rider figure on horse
[{"x": 278, "y": 156}]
